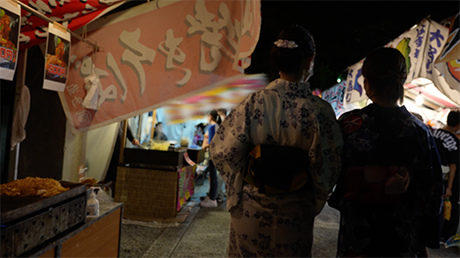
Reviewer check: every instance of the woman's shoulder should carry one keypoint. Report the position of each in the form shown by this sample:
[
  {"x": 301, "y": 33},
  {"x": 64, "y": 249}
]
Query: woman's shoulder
[
  {"x": 320, "y": 101},
  {"x": 419, "y": 125},
  {"x": 352, "y": 113}
]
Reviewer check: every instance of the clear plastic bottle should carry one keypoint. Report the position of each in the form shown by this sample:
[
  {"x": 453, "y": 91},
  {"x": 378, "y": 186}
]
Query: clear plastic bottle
[{"x": 92, "y": 205}]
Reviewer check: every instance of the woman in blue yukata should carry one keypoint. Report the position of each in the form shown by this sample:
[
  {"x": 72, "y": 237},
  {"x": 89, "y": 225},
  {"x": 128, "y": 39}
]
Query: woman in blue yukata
[
  {"x": 284, "y": 114},
  {"x": 389, "y": 192}
]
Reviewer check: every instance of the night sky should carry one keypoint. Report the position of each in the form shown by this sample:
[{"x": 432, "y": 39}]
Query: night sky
[{"x": 345, "y": 32}]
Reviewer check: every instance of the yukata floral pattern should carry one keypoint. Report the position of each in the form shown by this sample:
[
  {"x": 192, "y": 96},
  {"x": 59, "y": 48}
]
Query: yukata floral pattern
[
  {"x": 378, "y": 136},
  {"x": 284, "y": 113}
]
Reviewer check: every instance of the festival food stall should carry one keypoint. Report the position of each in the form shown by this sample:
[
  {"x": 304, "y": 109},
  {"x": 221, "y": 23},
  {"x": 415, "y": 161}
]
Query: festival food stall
[
  {"x": 43, "y": 217},
  {"x": 157, "y": 170},
  {"x": 192, "y": 59},
  {"x": 120, "y": 68}
]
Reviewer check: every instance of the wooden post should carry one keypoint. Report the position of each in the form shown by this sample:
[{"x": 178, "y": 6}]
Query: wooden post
[{"x": 123, "y": 141}]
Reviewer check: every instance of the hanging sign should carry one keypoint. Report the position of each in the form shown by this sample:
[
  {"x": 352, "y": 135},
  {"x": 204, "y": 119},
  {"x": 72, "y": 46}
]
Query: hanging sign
[
  {"x": 420, "y": 46},
  {"x": 335, "y": 97},
  {"x": 10, "y": 22},
  {"x": 354, "y": 85},
  {"x": 57, "y": 58},
  {"x": 448, "y": 62},
  {"x": 437, "y": 36},
  {"x": 194, "y": 46}
]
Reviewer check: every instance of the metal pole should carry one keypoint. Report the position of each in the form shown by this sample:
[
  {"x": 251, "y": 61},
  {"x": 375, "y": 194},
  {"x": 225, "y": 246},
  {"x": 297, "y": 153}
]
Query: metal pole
[
  {"x": 43, "y": 17},
  {"x": 16, "y": 161}
]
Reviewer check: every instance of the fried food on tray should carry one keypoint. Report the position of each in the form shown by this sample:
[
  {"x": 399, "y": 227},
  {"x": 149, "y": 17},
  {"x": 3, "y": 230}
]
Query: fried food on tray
[
  {"x": 89, "y": 181},
  {"x": 52, "y": 59},
  {"x": 5, "y": 32},
  {"x": 5, "y": 27},
  {"x": 32, "y": 186}
]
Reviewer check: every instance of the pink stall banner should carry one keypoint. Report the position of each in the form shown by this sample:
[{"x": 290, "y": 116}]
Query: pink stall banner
[{"x": 156, "y": 53}]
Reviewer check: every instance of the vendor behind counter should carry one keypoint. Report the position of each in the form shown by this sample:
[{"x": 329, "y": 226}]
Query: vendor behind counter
[{"x": 158, "y": 134}]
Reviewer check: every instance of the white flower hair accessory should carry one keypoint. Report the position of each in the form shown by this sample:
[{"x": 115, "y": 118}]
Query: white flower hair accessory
[{"x": 284, "y": 43}]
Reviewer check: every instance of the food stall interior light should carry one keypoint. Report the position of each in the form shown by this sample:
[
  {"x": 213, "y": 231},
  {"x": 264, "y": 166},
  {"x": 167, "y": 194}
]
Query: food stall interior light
[
  {"x": 339, "y": 80},
  {"x": 419, "y": 100}
]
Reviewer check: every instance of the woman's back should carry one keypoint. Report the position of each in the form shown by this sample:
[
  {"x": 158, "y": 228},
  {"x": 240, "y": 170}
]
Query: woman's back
[
  {"x": 286, "y": 114},
  {"x": 390, "y": 187},
  {"x": 383, "y": 136}
]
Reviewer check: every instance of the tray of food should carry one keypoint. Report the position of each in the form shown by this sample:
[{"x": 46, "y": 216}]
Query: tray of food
[{"x": 23, "y": 197}]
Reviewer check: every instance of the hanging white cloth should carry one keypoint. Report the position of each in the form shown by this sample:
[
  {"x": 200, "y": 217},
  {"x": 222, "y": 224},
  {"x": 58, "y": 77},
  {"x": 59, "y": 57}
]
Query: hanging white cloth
[
  {"x": 92, "y": 87},
  {"x": 18, "y": 133}
]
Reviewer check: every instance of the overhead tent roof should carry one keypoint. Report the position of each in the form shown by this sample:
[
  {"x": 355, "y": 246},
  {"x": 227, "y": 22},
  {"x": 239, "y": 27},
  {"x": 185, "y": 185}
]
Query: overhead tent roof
[
  {"x": 75, "y": 13},
  {"x": 432, "y": 97},
  {"x": 225, "y": 96}
]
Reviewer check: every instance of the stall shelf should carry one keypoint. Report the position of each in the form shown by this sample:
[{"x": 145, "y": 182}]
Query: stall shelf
[{"x": 98, "y": 237}]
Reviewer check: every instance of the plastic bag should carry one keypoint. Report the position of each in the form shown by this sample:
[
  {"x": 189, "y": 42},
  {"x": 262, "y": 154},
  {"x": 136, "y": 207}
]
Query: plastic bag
[
  {"x": 447, "y": 209},
  {"x": 453, "y": 241}
]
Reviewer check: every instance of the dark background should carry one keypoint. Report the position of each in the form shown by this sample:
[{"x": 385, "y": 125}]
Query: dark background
[{"x": 345, "y": 32}]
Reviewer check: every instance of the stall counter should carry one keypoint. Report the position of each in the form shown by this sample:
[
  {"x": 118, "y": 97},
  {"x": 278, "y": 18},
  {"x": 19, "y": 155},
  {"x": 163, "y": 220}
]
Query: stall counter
[
  {"x": 150, "y": 194},
  {"x": 98, "y": 237}
]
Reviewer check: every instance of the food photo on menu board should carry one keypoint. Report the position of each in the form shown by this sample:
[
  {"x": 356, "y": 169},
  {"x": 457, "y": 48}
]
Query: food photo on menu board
[
  {"x": 57, "y": 58},
  {"x": 9, "y": 37}
]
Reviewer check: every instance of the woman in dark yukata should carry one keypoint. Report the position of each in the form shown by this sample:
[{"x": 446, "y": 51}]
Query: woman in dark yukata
[{"x": 389, "y": 192}]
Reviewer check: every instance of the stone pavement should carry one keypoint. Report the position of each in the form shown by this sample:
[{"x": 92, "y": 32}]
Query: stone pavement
[{"x": 204, "y": 233}]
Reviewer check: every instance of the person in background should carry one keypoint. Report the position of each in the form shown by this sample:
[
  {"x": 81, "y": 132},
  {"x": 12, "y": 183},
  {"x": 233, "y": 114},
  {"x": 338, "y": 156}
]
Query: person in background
[
  {"x": 130, "y": 136},
  {"x": 198, "y": 136},
  {"x": 220, "y": 181},
  {"x": 449, "y": 149},
  {"x": 222, "y": 112},
  {"x": 158, "y": 133},
  {"x": 210, "y": 199},
  {"x": 285, "y": 115},
  {"x": 389, "y": 192}
]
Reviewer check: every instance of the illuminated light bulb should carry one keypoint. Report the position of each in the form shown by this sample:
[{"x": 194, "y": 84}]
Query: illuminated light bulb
[
  {"x": 339, "y": 80},
  {"x": 419, "y": 100}
]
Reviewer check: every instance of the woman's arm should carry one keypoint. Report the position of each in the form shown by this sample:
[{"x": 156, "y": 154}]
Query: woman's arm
[{"x": 450, "y": 181}]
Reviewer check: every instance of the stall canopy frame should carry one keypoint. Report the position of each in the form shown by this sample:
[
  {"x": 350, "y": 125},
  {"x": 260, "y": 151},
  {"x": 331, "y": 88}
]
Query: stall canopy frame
[{"x": 45, "y": 18}]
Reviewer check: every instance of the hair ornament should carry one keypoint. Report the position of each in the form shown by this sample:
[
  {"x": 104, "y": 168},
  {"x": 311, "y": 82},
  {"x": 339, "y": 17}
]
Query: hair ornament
[{"x": 284, "y": 43}]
